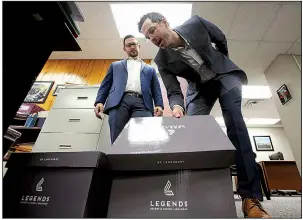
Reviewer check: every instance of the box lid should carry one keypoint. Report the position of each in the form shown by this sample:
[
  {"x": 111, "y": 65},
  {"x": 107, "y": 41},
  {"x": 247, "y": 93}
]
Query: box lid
[
  {"x": 57, "y": 159},
  {"x": 191, "y": 142}
]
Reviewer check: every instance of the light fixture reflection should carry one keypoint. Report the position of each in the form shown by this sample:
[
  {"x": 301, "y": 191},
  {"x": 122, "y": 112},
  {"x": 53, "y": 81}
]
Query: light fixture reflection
[{"x": 147, "y": 134}]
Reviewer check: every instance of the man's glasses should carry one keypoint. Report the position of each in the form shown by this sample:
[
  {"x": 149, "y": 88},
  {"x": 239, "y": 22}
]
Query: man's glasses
[
  {"x": 151, "y": 30},
  {"x": 131, "y": 44}
]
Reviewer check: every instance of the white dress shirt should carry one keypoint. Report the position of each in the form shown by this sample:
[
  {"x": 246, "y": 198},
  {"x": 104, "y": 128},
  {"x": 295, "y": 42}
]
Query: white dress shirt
[{"x": 133, "y": 80}]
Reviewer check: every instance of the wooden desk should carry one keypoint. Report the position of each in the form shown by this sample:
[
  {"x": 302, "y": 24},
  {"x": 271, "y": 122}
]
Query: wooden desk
[{"x": 281, "y": 175}]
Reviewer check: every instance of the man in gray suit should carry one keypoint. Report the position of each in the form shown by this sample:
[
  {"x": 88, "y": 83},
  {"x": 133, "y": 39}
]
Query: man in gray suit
[{"x": 188, "y": 51}]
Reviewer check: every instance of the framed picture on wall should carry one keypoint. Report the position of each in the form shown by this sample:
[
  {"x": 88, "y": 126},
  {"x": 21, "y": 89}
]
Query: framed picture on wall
[
  {"x": 57, "y": 89},
  {"x": 39, "y": 92},
  {"x": 263, "y": 143},
  {"x": 284, "y": 94}
]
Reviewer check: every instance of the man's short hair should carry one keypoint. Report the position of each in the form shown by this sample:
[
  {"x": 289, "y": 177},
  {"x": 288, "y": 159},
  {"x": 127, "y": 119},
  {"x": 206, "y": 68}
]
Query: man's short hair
[
  {"x": 126, "y": 37},
  {"x": 153, "y": 16}
]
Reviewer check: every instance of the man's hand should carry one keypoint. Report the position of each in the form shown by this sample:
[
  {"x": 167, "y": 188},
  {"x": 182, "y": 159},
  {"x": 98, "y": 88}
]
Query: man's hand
[
  {"x": 158, "y": 111},
  {"x": 177, "y": 112},
  {"x": 98, "y": 110}
]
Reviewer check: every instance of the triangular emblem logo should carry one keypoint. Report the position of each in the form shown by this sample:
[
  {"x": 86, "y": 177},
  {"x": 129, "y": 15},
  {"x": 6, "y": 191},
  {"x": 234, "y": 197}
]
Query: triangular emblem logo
[
  {"x": 39, "y": 185},
  {"x": 171, "y": 131},
  {"x": 167, "y": 190}
]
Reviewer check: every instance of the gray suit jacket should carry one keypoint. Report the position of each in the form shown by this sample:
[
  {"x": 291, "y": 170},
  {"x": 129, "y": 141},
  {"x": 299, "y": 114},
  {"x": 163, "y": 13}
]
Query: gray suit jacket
[{"x": 200, "y": 33}]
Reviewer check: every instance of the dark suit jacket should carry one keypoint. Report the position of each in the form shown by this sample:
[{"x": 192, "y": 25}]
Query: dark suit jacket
[
  {"x": 200, "y": 33},
  {"x": 113, "y": 86}
]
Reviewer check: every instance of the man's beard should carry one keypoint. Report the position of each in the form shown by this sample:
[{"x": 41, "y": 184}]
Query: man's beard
[{"x": 133, "y": 54}]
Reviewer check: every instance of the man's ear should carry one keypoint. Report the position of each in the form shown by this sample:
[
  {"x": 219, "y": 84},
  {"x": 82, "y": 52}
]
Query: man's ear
[
  {"x": 165, "y": 22},
  {"x": 124, "y": 49}
]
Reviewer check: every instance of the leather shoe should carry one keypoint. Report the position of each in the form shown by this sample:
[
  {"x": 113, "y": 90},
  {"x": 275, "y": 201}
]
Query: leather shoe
[{"x": 252, "y": 208}]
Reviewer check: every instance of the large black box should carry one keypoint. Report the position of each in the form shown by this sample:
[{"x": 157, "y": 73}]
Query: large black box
[
  {"x": 172, "y": 168},
  {"x": 56, "y": 185}
]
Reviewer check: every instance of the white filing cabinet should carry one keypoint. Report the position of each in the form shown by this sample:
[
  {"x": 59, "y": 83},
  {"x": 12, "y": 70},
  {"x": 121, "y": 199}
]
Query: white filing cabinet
[
  {"x": 71, "y": 124},
  {"x": 4, "y": 169}
]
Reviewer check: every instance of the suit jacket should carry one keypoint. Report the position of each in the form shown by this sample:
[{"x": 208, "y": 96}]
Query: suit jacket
[
  {"x": 113, "y": 86},
  {"x": 200, "y": 33}
]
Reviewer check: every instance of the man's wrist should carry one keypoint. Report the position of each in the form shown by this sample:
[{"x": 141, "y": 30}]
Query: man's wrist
[
  {"x": 97, "y": 103},
  {"x": 179, "y": 107}
]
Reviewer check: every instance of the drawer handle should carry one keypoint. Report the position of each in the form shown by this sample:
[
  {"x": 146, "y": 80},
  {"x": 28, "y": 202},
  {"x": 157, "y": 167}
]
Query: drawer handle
[
  {"x": 82, "y": 97},
  {"x": 63, "y": 146},
  {"x": 74, "y": 119}
]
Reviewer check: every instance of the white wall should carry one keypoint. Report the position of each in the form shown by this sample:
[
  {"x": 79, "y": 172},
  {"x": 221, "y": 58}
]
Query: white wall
[
  {"x": 284, "y": 70},
  {"x": 278, "y": 139}
]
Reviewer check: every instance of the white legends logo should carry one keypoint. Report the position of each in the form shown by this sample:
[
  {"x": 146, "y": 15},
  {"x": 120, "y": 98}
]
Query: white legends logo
[
  {"x": 168, "y": 205},
  {"x": 36, "y": 199}
]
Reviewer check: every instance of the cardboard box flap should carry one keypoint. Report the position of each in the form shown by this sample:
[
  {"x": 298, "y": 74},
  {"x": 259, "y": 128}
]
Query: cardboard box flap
[
  {"x": 57, "y": 159},
  {"x": 191, "y": 142}
]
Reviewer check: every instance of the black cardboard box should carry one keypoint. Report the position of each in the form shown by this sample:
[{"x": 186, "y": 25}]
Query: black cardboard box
[
  {"x": 165, "y": 143},
  {"x": 56, "y": 185},
  {"x": 172, "y": 194},
  {"x": 172, "y": 168}
]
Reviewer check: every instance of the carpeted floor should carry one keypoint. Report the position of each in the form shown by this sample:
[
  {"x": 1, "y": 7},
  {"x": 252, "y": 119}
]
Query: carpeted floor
[{"x": 278, "y": 206}]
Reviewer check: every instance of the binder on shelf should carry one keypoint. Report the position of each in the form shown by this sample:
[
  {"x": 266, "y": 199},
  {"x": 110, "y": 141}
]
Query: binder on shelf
[{"x": 31, "y": 120}]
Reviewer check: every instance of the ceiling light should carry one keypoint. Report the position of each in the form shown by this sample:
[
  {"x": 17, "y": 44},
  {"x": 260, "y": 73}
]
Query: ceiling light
[
  {"x": 128, "y": 15},
  {"x": 252, "y": 121},
  {"x": 220, "y": 120},
  {"x": 256, "y": 92},
  {"x": 262, "y": 121}
]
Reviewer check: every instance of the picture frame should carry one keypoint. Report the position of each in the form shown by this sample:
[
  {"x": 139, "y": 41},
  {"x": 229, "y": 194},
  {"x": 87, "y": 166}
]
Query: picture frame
[
  {"x": 39, "y": 92},
  {"x": 58, "y": 88},
  {"x": 263, "y": 143},
  {"x": 284, "y": 94}
]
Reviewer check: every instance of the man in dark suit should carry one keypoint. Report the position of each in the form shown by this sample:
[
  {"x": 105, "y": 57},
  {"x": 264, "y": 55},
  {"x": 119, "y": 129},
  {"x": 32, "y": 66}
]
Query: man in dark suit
[
  {"x": 129, "y": 89},
  {"x": 197, "y": 51}
]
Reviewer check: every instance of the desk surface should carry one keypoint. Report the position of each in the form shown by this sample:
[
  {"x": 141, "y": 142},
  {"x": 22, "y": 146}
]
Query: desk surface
[{"x": 281, "y": 175}]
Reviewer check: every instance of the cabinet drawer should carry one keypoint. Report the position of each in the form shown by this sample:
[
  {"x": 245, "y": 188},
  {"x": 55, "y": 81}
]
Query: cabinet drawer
[
  {"x": 76, "y": 98},
  {"x": 60, "y": 142},
  {"x": 104, "y": 142},
  {"x": 72, "y": 121}
]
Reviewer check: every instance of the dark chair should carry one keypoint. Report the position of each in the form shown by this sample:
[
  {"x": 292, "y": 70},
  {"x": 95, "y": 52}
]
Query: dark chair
[
  {"x": 233, "y": 172},
  {"x": 276, "y": 156}
]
